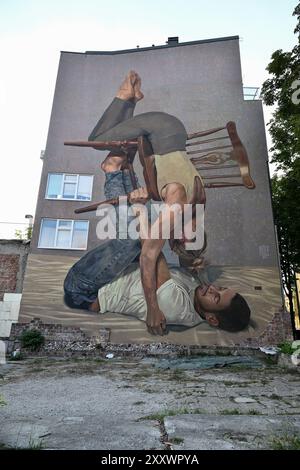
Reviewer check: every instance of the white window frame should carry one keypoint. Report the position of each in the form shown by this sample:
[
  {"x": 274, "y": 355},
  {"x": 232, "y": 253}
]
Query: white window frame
[
  {"x": 63, "y": 181},
  {"x": 56, "y": 233}
]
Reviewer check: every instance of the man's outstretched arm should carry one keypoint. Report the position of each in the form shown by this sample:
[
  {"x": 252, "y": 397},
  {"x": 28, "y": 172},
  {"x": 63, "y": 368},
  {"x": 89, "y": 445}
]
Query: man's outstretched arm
[{"x": 151, "y": 250}]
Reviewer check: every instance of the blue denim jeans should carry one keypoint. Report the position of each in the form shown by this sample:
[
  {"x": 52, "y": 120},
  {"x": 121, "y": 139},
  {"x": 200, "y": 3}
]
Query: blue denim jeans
[
  {"x": 108, "y": 260},
  {"x": 118, "y": 183}
]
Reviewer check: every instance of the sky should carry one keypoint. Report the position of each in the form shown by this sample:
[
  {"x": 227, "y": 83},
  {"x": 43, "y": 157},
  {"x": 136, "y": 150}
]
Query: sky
[{"x": 33, "y": 32}]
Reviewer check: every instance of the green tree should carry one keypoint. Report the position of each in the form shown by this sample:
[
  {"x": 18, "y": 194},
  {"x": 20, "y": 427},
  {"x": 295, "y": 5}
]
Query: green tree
[
  {"x": 279, "y": 90},
  {"x": 19, "y": 234},
  {"x": 286, "y": 206},
  {"x": 282, "y": 89},
  {"x": 26, "y": 235}
]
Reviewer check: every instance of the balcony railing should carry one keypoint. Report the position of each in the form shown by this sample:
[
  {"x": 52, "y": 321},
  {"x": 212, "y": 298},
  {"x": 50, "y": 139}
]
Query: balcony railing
[{"x": 251, "y": 93}]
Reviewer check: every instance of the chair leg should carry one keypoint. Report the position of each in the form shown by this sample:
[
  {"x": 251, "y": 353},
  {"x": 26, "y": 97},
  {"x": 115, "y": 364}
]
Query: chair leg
[
  {"x": 94, "y": 207},
  {"x": 132, "y": 176},
  {"x": 129, "y": 166}
]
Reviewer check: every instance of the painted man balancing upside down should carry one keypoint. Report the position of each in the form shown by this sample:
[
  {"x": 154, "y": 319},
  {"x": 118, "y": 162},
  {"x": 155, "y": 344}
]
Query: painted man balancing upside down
[{"x": 105, "y": 279}]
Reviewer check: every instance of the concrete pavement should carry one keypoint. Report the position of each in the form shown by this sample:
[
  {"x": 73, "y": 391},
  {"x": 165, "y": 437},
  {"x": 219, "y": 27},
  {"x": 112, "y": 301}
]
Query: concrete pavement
[{"x": 126, "y": 403}]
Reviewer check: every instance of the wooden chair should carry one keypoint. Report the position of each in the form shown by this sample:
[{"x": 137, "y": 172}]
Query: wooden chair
[
  {"x": 227, "y": 152},
  {"x": 214, "y": 158}
]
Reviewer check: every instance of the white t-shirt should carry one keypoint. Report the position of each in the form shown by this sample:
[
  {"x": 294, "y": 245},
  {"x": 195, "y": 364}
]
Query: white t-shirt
[{"x": 175, "y": 297}]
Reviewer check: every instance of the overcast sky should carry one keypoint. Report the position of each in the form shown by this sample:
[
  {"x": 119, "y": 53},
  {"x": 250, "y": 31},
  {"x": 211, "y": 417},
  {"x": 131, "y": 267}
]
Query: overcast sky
[{"x": 33, "y": 32}]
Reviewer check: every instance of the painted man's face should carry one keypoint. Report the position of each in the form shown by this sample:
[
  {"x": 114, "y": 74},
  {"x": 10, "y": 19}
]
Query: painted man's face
[{"x": 214, "y": 299}]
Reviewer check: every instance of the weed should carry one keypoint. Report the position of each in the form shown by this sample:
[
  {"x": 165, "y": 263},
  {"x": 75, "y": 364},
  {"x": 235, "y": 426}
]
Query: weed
[
  {"x": 285, "y": 442},
  {"x": 235, "y": 436},
  {"x": 166, "y": 413},
  {"x": 144, "y": 374},
  {"x": 177, "y": 374},
  {"x": 2, "y": 401},
  {"x": 36, "y": 444},
  {"x": 234, "y": 411},
  {"x": 4, "y": 446},
  {"x": 274, "y": 396},
  {"x": 230, "y": 383},
  {"x": 253, "y": 412},
  {"x": 32, "y": 339},
  {"x": 286, "y": 347},
  {"x": 16, "y": 356},
  {"x": 176, "y": 440}
]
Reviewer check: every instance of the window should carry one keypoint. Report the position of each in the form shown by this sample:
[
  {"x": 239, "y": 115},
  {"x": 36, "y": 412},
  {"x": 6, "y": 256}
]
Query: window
[
  {"x": 70, "y": 187},
  {"x": 64, "y": 234}
]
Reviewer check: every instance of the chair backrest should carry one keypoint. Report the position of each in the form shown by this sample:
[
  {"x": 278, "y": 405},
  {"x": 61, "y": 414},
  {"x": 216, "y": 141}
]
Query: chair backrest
[{"x": 217, "y": 157}]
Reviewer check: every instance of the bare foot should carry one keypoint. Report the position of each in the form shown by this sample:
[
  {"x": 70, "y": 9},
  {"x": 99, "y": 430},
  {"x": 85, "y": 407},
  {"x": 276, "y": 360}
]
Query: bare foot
[
  {"x": 113, "y": 163},
  {"x": 138, "y": 95},
  {"x": 126, "y": 90}
]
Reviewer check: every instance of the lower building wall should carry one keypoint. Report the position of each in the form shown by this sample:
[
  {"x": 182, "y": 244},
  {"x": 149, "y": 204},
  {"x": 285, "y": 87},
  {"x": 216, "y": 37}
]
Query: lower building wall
[
  {"x": 43, "y": 298},
  {"x": 13, "y": 258}
]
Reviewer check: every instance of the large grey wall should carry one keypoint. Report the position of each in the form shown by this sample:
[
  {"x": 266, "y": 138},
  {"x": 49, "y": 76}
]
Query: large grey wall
[{"x": 202, "y": 85}]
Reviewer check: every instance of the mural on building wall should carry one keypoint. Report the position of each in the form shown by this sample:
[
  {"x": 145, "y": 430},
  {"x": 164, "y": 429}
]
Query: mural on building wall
[{"x": 127, "y": 284}]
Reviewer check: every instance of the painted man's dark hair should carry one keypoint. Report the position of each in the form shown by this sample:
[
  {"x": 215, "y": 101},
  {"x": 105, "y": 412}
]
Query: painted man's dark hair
[{"x": 236, "y": 317}]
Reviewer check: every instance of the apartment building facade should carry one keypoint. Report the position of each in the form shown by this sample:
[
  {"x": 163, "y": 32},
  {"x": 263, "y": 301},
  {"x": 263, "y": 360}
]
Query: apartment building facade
[{"x": 201, "y": 83}]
